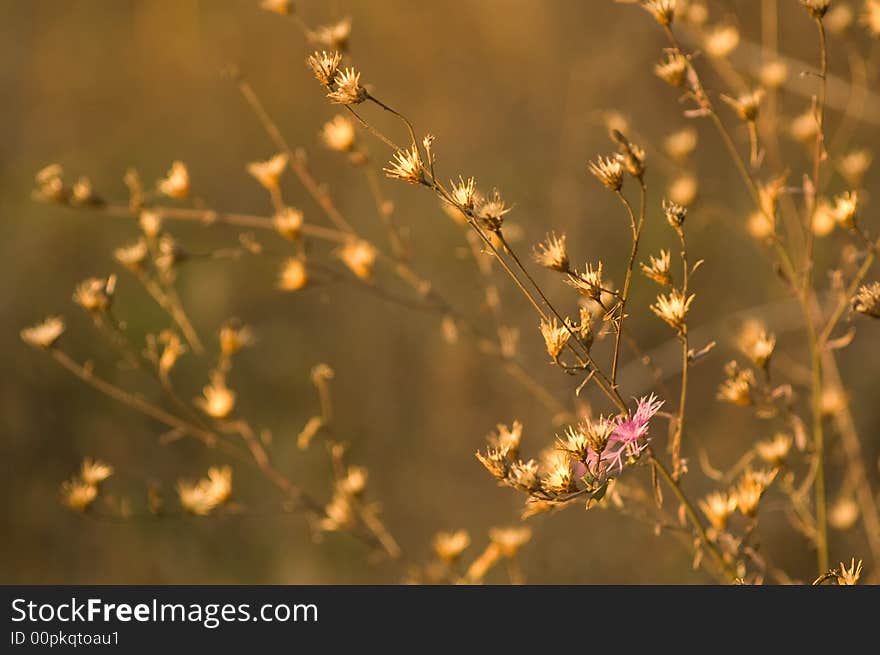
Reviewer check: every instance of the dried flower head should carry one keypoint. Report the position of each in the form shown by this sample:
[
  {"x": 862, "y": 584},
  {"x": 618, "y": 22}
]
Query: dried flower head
[
  {"x": 854, "y": 164},
  {"x": 218, "y": 400},
  {"x": 673, "y": 308},
  {"x": 205, "y": 495},
  {"x": 407, "y": 166},
  {"x": 293, "y": 275},
  {"x": 659, "y": 268},
  {"x": 172, "y": 349},
  {"x": 175, "y": 184},
  {"x": 78, "y": 495},
  {"x": 721, "y": 40},
  {"x": 556, "y": 336},
  {"x": 338, "y": 134},
  {"x": 150, "y": 222},
  {"x": 718, "y": 506},
  {"x": 589, "y": 282},
  {"x": 843, "y": 514},
  {"x": 683, "y": 189},
  {"x": 737, "y": 387},
  {"x": 491, "y": 211},
  {"x": 334, "y": 36},
  {"x": 325, "y": 66},
  {"x": 609, "y": 171},
  {"x": 551, "y": 253},
  {"x": 746, "y": 105},
  {"x": 268, "y": 172},
  {"x": 338, "y": 513},
  {"x": 673, "y": 68},
  {"x": 50, "y": 184},
  {"x": 44, "y": 334},
  {"x": 867, "y": 300},
  {"x": 347, "y": 89},
  {"x": 848, "y": 577},
  {"x": 846, "y": 207},
  {"x": 83, "y": 195},
  {"x": 774, "y": 73},
  {"x": 839, "y": 19},
  {"x": 681, "y": 144},
  {"x": 824, "y": 218},
  {"x": 132, "y": 256},
  {"x": 757, "y": 344},
  {"x": 816, "y": 8},
  {"x": 463, "y": 192},
  {"x": 288, "y": 223},
  {"x": 870, "y": 17},
  {"x": 94, "y": 471},
  {"x": 556, "y": 473},
  {"x": 751, "y": 488},
  {"x": 675, "y": 213},
  {"x": 95, "y": 294},
  {"x": 234, "y": 336},
  {"x": 510, "y": 539},
  {"x": 280, "y": 7},
  {"x": 450, "y": 545},
  {"x": 359, "y": 256},
  {"x": 506, "y": 439},
  {"x": 774, "y": 451},
  {"x": 663, "y": 11},
  {"x": 354, "y": 481}
]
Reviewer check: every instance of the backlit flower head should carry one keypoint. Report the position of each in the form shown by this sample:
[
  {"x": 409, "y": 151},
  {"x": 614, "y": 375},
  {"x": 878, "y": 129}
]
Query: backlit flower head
[
  {"x": 293, "y": 275},
  {"x": 407, "y": 166},
  {"x": 176, "y": 183},
  {"x": 288, "y": 223},
  {"x": 492, "y": 210},
  {"x": 751, "y": 488},
  {"x": 673, "y": 308},
  {"x": 774, "y": 451},
  {"x": 589, "y": 282},
  {"x": 847, "y": 577},
  {"x": 718, "y": 506},
  {"x": 268, "y": 172},
  {"x": 867, "y": 300},
  {"x": 556, "y": 336},
  {"x": 816, "y": 8},
  {"x": 132, "y": 256},
  {"x": 846, "y": 207},
  {"x": 746, "y": 105},
  {"x": 673, "y": 68},
  {"x": 506, "y": 439},
  {"x": 78, "y": 495},
  {"x": 737, "y": 387},
  {"x": 94, "y": 471},
  {"x": 675, "y": 213},
  {"x": 663, "y": 11},
  {"x": 609, "y": 171},
  {"x": 338, "y": 134},
  {"x": 359, "y": 256},
  {"x": 463, "y": 192},
  {"x": 218, "y": 400},
  {"x": 325, "y": 66},
  {"x": 95, "y": 294},
  {"x": 450, "y": 545},
  {"x": 205, "y": 495},
  {"x": 551, "y": 253},
  {"x": 347, "y": 89},
  {"x": 44, "y": 334},
  {"x": 510, "y": 539},
  {"x": 334, "y": 36},
  {"x": 659, "y": 268}
]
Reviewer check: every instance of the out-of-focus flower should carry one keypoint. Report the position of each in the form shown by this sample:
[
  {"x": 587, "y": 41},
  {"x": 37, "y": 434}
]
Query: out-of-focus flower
[
  {"x": 176, "y": 183},
  {"x": 450, "y": 545},
  {"x": 44, "y": 334},
  {"x": 205, "y": 495}
]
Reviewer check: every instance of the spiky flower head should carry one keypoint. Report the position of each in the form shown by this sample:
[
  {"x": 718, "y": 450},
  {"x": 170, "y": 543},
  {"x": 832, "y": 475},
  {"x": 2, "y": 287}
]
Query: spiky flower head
[
  {"x": 334, "y": 36},
  {"x": 218, "y": 400},
  {"x": 816, "y": 8},
  {"x": 589, "y": 282},
  {"x": 551, "y": 253},
  {"x": 325, "y": 66},
  {"x": 94, "y": 471},
  {"x": 663, "y": 11},
  {"x": 757, "y": 344},
  {"x": 176, "y": 183},
  {"x": 450, "y": 545},
  {"x": 359, "y": 256},
  {"x": 463, "y": 192},
  {"x": 609, "y": 171},
  {"x": 737, "y": 386},
  {"x": 288, "y": 223},
  {"x": 846, "y": 208},
  {"x": 659, "y": 268},
  {"x": 407, "y": 166},
  {"x": 718, "y": 506},
  {"x": 774, "y": 451},
  {"x": 338, "y": 134},
  {"x": 675, "y": 214},
  {"x": 234, "y": 336},
  {"x": 751, "y": 488},
  {"x": 347, "y": 89},
  {"x": 673, "y": 308},
  {"x": 491, "y": 211},
  {"x": 847, "y": 577},
  {"x": 78, "y": 495},
  {"x": 205, "y": 495},
  {"x": 673, "y": 68},
  {"x": 867, "y": 300},
  {"x": 556, "y": 336},
  {"x": 132, "y": 256},
  {"x": 746, "y": 105},
  {"x": 95, "y": 294},
  {"x": 44, "y": 334},
  {"x": 506, "y": 439},
  {"x": 268, "y": 172}
]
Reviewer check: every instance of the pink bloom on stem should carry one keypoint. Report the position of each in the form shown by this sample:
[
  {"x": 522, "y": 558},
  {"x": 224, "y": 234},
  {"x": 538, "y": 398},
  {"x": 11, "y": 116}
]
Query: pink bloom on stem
[{"x": 624, "y": 441}]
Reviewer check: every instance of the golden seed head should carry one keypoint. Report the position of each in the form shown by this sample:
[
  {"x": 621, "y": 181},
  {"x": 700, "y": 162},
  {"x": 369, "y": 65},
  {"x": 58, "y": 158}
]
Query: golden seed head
[
  {"x": 268, "y": 172},
  {"x": 95, "y": 294},
  {"x": 218, "y": 400},
  {"x": 663, "y": 11},
  {"x": 673, "y": 69},
  {"x": 50, "y": 184},
  {"x": 775, "y": 451},
  {"x": 280, "y": 7},
  {"x": 756, "y": 343},
  {"x": 347, "y": 89},
  {"x": 132, "y": 256},
  {"x": 464, "y": 193},
  {"x": 334, "y": 36},
  {"x": 849, "y": 576},
  {"x": 659, "y": 268},
  {"x": 718, "y": 506},
  {"x": 325, "y": 66},
  {"x": 552, "y": 254},
  {"x": 609, "y": 171},
  {"x": 556, "y": 336},
  {"x": 495, "y": 461},
  {"x": 359, "y": 256},
  {"x": 407, "y": 166},
  {"x": 288, "y": 223},
  {"x": 205, "y": 495},
  {"x": 721, "y": 40},
  {"x": 681, "y": 144},
  {"x": 523, "y": 475},
  {"x": 588, "y": 283},
  {"x": 354, "y": 482},
  {"x": 673, "y": 308},
  {"x": 150, "y": 222},
  {"x": 774, "y": 74},
  {"x": 854, "y": 164},
  {"x": 450, "y": 545},
  {"x": 846, "y": 207},
  {"x": 675, "y": 213},
  {"x": 491, "y": 211},
  {"x": 557, "y": 475},
  {"x": 576, "y": 442},
  {"x": 506, "y": 439},
  {"x": 867, "y": 300},
  {"x": 338, "y": 134},
  {"x": 44, "y": 334},
  {"x": 759, "y": 226},
  {"x": 747, "y": 105},
  {"x": 82, "y": 194},
  {"x": 824, "y": 219},
  {"x": 510, "y": 539},
  {"x": 94, "y": 471},
  {"x": 78, "y": 495},
  {"x": 172, "y": 349},
  {"x": 751, "y": 488},
  {"x": 816, "y": 8},
  {"x": 234, "y": 336},
  {"x": 175, "y": 184},
  {"x": 293, "y": 275},
  {"x": 737, "y": 387}
]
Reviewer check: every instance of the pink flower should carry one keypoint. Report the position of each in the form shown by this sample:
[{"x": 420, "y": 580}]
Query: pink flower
[{"x": 628, "y": 439}]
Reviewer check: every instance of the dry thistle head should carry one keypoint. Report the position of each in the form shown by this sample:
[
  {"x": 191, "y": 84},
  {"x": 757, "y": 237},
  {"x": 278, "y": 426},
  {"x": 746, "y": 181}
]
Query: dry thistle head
[
  {"x": 407, "y": 166},
  {"x": 509, "y": 540},
  {"x": 631, "y": 156},
  {"x": 718, "y": 506},
  {"x": 288, "y": 223},
  {"x": 849, "y": 576},
  {"x": 557, "y": 477},
  {"x": 683, "y": 189},
  {"x": 757, "y": 344},
  {"x": 132, "y": 256},
  {"x": 551, "y": 253},
  {"x": 659, "y": 268},
  {"x": 234, "y": 336},
  {"x": 506, "y": 439},
  {"x": 293, "y": 275},
  {"x": 576, "y": 442},
  {"x": 720, "y": 41},
  {"x": 751, "y": 488},
  {"x": 338, "y": 134},
  {"x": 44, "y": 334},
  {"x": 334, "y": 36},
  {"x": 175, "y": 184},
  {"x": 854, "y": 164},
  {"x": 359, "y": 256},
  {"x": 491, "y": 211},
  {"x": 673, "y": 68},
  {"x": 681, "y": 144},
  {"x": 218, "y": 400},
  {"x": 675, "y": 214},
  {"x": 347, "y": 89},
  {"x": 867, "y": 300},
  {"x": 464, "y": 193},
  {"x": 816, "y": 8},
  {"x": 609, "y": 171},
  {"x": 846, "y": 207},
  {"x": 268, "y": 172},
  {"x": 556, "y": 336},
  {"x": 94, "y": 471},
  {"x": 95, "y": 294},
  {"x": 673, "y": 308},
  {"x": 205, "y": 495},
  {"x": 172, "y": 349},
  {"x": 589, "y": 282},
  {"x": 325, "y": 66},
  {"x": 450, "y": 545},
  {"x": 78, "y": 495},
  {"x": 775, "y": 451},
  {"x": 280, "y": 7},
  {"x": 663, "y": 11},
  {"x": 747, "y": 105},
  {"x": 737, "y": 387},
  {"x": 50, "y": 184},
  {"x": 769, "y": 194}
]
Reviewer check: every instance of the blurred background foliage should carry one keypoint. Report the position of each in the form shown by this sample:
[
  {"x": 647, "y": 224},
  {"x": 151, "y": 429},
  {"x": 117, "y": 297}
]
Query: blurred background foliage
[{"x": 515, "y": 91}]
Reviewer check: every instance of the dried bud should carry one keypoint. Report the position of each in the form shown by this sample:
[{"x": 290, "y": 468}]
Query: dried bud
[{"x": 867, "y": 300}]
